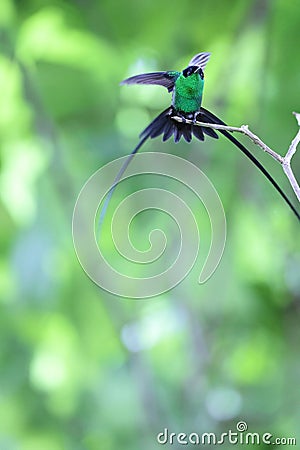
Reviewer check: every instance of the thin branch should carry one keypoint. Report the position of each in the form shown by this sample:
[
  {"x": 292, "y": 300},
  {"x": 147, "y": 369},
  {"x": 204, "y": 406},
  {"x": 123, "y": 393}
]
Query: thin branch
[{"x": 285, "y": 161}]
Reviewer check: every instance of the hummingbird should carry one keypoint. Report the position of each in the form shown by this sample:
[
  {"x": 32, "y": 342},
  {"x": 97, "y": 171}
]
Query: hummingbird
[{"x": 186, "y": 87}]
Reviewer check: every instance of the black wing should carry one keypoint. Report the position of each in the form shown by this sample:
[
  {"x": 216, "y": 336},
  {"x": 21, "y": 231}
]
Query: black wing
[
  {"x": 200, "y": 60},
  {"x": 166, "y": 79}
]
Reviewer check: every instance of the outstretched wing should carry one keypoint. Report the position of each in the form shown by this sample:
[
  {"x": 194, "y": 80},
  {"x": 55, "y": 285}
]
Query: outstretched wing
[
  {"x": 166, "y": 79},
  {"x": 200, "y": 60}
]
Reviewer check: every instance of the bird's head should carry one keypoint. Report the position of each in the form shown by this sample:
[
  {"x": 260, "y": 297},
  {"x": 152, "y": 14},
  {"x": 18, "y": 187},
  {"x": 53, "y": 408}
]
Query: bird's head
[{"x": 190, "y": 70}]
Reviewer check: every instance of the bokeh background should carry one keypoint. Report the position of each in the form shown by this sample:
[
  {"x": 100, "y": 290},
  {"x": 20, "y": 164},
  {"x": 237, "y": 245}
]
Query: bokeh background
[{"x": 83, "y": 369}]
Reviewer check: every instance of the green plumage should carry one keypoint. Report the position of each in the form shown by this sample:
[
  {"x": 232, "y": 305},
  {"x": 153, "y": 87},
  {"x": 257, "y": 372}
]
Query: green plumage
[{"x": 187, "y": 95}]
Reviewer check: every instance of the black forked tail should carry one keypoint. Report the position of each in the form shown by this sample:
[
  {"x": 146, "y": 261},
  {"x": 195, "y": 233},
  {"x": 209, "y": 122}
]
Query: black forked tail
[
  {"x": 165, "y": 125},
  {"x": 211, "y": 118}
]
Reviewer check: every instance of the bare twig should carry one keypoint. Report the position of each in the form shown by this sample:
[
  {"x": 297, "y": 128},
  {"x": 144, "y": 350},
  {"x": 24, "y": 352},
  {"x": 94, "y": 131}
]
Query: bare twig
[
  {"x": 286, "y": 165},
  {"x": 285, "y": 161}
]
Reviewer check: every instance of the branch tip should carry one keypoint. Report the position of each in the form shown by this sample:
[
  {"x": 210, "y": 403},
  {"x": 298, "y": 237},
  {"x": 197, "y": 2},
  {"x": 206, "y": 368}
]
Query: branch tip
[{"x": 297, "y": 115}]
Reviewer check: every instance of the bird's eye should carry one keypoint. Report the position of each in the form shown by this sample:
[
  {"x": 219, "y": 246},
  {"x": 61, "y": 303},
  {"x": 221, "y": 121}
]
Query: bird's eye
[
  {"x": 186, "y": 72},
  {"x": 201, "y": 73}
]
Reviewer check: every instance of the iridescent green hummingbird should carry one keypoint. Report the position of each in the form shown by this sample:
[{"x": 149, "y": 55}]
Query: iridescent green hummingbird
[{"x": 187, "y": 90}]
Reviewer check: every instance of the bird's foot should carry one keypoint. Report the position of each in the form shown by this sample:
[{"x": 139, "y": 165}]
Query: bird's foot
[
  {"x": 195, "y": 117},
  {"x": 183, "y": 118}
]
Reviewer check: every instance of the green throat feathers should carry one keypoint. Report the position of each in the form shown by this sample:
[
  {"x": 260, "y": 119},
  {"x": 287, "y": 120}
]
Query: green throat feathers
[{"x": 187, "y": 95}]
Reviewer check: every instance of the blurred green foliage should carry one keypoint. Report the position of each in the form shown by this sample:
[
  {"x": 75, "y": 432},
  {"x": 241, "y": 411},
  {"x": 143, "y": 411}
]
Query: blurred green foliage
[{"x": 80, "y": 368}]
